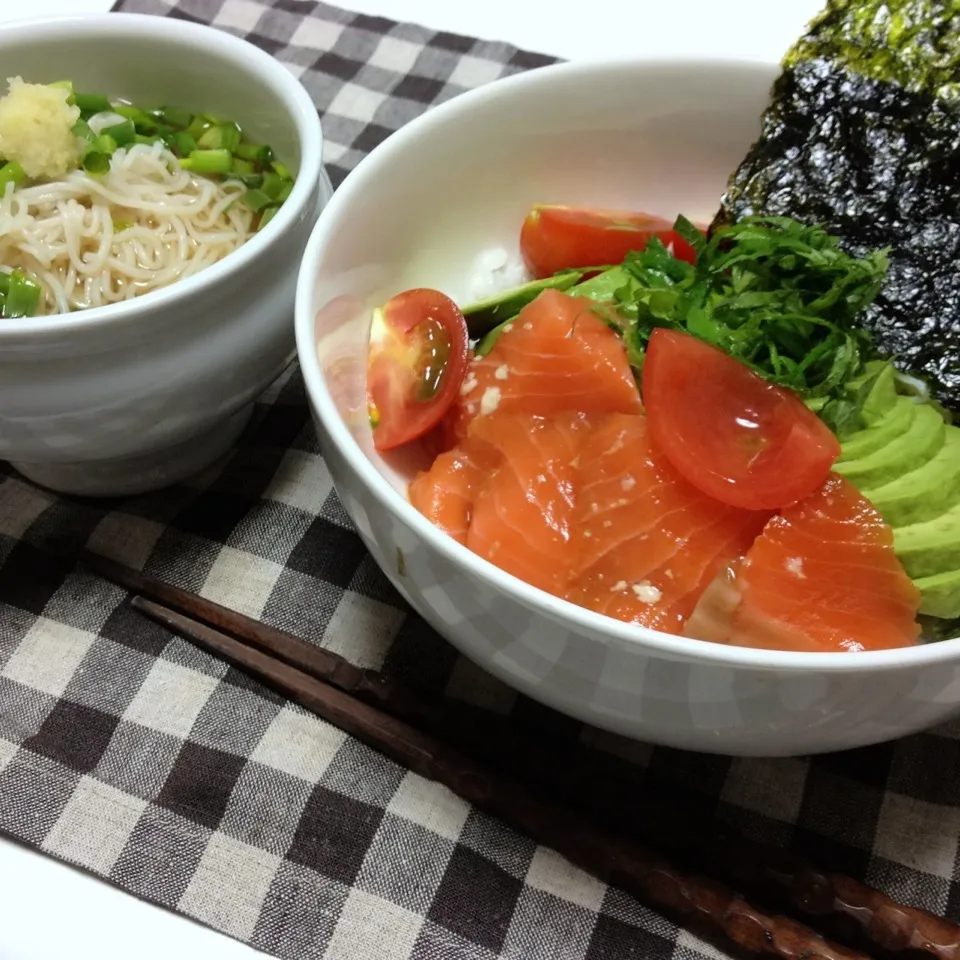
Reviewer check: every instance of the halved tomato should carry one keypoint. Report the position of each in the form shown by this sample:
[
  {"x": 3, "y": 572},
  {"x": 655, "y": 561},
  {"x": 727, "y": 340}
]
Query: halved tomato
[
  {"x": 735, "y": 436},
  {"x": 555, "y": 238},
  {"x": 418, "y": 355}
]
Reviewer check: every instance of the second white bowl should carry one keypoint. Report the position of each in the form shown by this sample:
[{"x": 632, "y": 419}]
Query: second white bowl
[{"x": 137, "y": 395}]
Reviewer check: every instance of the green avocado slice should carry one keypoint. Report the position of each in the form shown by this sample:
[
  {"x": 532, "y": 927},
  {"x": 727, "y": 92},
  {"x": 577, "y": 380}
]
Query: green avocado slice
[
  {"x": 882, "y": 397},
  {"x": 601, "y": 288},
  {"x": 896, "y": 423},
  {"x": 930, "y": 547},
  {"x": 483, "y": 315},
  {"x": 940, "y": 594},
  {"x": 924, "y": 493},
  {"x": 905, "y": 452}
]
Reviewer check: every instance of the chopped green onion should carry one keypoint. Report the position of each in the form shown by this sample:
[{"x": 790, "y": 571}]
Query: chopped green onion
[
  {"x": 184, "y": 143},
  {"x": 106, "y": 144},
  {"x": 120, "y": 225},
  {"x": 64, "y": 85},
  {"x": 272, "y": 185},
  {"x": 285, "y": 190},
  {"x": 252, "y": 182},
  {"x": 140, "y": 138},
  {"x": 256, "y": 199},
  {"x": 210, "y": 139},
  {"x": 281, "y": 170},
  {"x": 144, "y": 123},
  {"x": 198, "y": 125},
  {"x": 208, "y": 161},
  {"x": 96, "y": 157},
  {"x": 96, "y": 162},
  {"x": 4, "y": 282},
  {"x": 91, "y": 103},
  {"x": 22, "y": 297},
  {"x": 122, "y": 133},
  {"x": 82, "y": 129},
  {"x": 230, "y": 135},
  {"x": 261, "y": 155},
  {"x": 11, "y": 172},
  {"x": 267, "y": 216},
  {"x": 242, "y": 168},
  {"x": 224, "y": 137},
  {"x": 175, "y": 117}
]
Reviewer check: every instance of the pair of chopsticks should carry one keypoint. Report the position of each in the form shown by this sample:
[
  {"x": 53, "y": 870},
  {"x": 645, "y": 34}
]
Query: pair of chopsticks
[{"x": 692, "y": 872}]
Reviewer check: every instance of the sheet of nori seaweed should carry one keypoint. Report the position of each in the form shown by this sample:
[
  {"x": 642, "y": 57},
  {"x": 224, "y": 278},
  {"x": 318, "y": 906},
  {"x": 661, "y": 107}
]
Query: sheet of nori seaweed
[{"x": 862, "y": 135}]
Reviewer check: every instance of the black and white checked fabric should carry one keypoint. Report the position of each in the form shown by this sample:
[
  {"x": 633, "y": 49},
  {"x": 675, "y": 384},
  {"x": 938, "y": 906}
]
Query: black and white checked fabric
[{"x": 127, "y": 752}]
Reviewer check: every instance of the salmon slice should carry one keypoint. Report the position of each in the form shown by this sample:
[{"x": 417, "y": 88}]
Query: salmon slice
[
  {"x": 523, "y": 513},
  {"x": 648, "y": 543},
  {"x": 556, "y": 357},
  {"x": 444, "y": 494},
  {"x": 823, "y": 577}
]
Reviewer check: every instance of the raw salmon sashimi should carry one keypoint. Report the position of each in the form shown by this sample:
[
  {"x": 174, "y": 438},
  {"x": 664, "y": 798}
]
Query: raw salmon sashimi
[
  {"x": 648, "y": 542},
  {"x": 445, "y": 493},
  {"x": 524, "y": 512},
  {"x": 555, "y": 357},
  {"x": 822, "y": 577},
  {"x": 508, "y": 493}
]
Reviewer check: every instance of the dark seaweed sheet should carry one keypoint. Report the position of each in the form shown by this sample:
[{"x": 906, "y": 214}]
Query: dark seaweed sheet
[{"x": 862, "y": 135}]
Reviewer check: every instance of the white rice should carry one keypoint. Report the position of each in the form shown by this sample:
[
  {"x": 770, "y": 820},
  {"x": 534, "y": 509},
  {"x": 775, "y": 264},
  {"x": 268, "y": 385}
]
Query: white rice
[{"x": 493, "y": 270}]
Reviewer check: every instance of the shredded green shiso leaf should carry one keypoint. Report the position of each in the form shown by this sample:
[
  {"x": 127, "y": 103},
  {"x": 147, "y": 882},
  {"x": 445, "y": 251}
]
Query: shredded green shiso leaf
[{"x": 779, "y": 296}]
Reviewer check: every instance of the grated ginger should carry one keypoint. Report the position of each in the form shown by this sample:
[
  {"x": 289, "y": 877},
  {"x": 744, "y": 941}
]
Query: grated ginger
[{"x": 36, "y": 129}]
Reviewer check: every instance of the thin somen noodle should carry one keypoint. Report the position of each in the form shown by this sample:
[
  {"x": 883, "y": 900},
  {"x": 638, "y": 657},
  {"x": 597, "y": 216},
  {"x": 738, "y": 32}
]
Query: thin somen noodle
[{"x": 89, "y": 240}]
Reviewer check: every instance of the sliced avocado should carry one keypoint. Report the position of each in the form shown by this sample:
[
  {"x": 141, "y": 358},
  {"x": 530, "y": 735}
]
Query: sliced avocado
[
  {"x": 924, "y": 493},
  {"x": 601, "y": 288},
  {"x": 883, "y": 394},
  {"x": 929, "y": 547},
  {"x": 896, "y": 423},
  {"x": 904, "y": 453},
  {"x": 483, "y": 315},
  {"x": 940, "y": 594}
]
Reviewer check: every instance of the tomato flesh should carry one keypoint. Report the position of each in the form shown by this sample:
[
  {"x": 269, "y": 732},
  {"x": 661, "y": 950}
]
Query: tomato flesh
[
  {"x": 418, "y": 356},
  {"x": 738, "y": 438},
  {"x": 555, "y": 238}
]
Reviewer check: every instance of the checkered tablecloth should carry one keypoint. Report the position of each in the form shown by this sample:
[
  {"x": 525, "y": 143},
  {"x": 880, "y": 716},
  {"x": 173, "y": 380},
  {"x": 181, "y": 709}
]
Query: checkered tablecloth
[{"x": 126, "y": 751}]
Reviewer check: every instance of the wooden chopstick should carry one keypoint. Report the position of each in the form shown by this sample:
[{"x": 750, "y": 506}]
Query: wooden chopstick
[
  {"x": 837, "y": 906},
  {"x": 711, "y": 909}
]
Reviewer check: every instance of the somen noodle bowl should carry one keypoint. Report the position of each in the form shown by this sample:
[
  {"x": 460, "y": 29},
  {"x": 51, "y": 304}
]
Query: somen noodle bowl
[
  {"x": 90, "y": 241},
  {"x": 103, "y": 200}
]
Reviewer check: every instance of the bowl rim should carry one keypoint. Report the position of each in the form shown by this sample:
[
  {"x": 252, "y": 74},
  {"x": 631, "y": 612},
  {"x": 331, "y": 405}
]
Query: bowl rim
[
  {"x": 247, "y": 59},
  {"x": 607, "y": 629}
]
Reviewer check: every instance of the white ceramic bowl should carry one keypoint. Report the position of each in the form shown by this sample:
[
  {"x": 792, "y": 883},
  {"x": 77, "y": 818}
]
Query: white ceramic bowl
[
  {"x": 658, "y": 136},
  {"x": 134, "y": 396}
]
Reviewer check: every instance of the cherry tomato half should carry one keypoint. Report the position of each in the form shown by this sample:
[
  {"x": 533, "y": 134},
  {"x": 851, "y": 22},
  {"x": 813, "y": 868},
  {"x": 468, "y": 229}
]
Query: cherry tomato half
[
  {"x": 418, "y": 355},
  {"x": 555, "y": 238},
  {"x": 729, "y": 432}
]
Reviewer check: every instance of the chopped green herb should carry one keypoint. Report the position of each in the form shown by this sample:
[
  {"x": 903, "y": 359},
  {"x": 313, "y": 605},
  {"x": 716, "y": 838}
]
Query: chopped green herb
[
  {"x": 91, "y": 103},
  {"x": 202, "y": 142},
  {"x": 175, "y": 117},
  {"x": 19, "y": 295},
  {"x": 122, "y": 133},
  {"x": 208, "y": 161},
  {"x": 256, "y": 199},
  {"x": 11, "y": 172},
  {"x": 779, "y": 296},
  {"x": 268, "y": 214}
]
